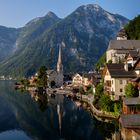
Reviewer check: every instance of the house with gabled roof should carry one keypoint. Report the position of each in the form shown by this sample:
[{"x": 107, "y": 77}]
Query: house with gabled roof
[
  {"x": 118, "y": 49},
  {"x": 116, "y": 76},
  {"x": 130, "y": 119},
  {"x": 122, "y": 35},
  {"x": 86, "y": 80},
  {"x": 131, "y": 105},
  {"x": 77, "y": 79},
  {"x": 130, "y": 126},
  {"x": 132, "y": 57}
]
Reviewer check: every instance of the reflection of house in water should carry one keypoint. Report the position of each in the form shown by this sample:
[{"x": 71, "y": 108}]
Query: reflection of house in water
[{"x": 130, "y": 119}]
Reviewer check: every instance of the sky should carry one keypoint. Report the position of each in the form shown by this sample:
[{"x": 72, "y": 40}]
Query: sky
[{"x": 16, "y": 13}]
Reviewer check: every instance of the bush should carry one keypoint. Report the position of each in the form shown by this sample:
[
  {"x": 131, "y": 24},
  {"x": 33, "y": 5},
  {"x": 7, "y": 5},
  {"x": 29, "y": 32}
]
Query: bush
[
  {"x": 99, "y": 90},
  {"x": 131, "y": 91},
  {"x": 105, "y": 103}
]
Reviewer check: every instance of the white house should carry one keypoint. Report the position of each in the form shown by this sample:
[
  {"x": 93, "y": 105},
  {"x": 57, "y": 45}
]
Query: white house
[
  {"x": 118, "y": 49},
  {"x": 116, "y": 76}
]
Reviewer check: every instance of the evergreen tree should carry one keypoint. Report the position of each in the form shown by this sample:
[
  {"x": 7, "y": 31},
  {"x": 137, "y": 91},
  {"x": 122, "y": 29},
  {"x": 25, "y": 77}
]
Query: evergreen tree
[
  {"x": 42, "y": 77},
  {"x": 101, "y": 61},
  {"x": 99, "y": 90},
  {"x": 133, "y": 28}
]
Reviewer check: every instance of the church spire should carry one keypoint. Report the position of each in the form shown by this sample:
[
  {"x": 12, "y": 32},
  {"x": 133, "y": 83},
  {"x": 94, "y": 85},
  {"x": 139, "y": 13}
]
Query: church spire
[{"x": 59, "y": 62}]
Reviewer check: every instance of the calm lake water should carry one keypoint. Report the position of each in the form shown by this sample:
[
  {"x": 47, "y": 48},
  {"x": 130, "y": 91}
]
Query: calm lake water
[{"x": 24, "y": 116}]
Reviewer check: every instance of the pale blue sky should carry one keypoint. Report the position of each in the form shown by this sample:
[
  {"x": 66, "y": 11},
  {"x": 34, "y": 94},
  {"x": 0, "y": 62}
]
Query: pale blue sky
[{"x": 16, "y": 13}]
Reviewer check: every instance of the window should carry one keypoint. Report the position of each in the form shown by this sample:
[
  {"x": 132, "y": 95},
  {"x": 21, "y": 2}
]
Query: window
[
  {"x": 121, "y": 90},
  {"x": 108, "y": 83},
  {"x": 121, "y": 82}
]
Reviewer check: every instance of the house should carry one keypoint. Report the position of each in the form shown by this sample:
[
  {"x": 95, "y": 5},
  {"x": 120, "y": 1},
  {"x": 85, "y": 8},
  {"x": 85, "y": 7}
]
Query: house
[
  {"x": 77, "y": 79},
  {"x": 116, "y": 76},
  {"x": 131, "y": 106},
  {"x": 33, "y": 80},
  {"x": 118, "y": 49},
  {"x": 130, "y": 126},
  {"x": 130, "y": 119},
  {"x": 132, "y": 57},
  {"x": 136, "y": 68},
  {"x": 122, "y": 35},
  {"x": 86, "y": 79}
]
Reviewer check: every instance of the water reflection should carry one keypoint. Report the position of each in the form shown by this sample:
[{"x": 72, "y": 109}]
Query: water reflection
[
  {"x": 13, "y": 135},
  {"x": 36, "y": 115}
]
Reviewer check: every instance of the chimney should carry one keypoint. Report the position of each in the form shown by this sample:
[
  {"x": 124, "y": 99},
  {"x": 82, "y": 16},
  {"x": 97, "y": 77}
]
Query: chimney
[
  {"x": 132, "y": 63},
  {"x": 126, "y": 66}
]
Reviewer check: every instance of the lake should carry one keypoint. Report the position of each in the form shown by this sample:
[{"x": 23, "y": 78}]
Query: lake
[{"x": 29, "y": 116}]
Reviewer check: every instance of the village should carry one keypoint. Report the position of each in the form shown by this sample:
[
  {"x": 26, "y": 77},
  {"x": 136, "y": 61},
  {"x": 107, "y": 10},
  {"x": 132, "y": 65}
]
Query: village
[{"x": 113, "y": 88}]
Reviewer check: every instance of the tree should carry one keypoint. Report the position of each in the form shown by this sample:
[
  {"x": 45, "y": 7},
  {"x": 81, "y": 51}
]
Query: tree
[
  {"x": 101, "y": 61},
  {"x": 90, "y": 91},
  {"x": 25, "y": 82},
  {"x": 133, "y": 28},
  {"x": 42, "y": 71},
  {"x": 105, "y": 103},
  {"x": 109, "y": 61},
  {"x": 99, "y": 90},
  {"x": 131, "y": 91},
  {"x": 42, "y": 77},
  {"x": 117, "y": 105}
]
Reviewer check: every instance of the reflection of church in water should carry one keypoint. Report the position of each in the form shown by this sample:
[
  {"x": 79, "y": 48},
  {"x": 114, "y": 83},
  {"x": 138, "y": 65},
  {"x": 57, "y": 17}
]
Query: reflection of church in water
[{"x": 56, "y": 75}]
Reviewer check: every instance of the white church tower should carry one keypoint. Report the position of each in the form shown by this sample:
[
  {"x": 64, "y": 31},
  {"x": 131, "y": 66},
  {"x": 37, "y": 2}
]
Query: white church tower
[{"x": 59, "y": 69}]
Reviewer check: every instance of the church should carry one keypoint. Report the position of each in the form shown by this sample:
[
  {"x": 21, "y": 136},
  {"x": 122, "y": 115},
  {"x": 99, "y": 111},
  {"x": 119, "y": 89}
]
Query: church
[{"x": 56, "y": 75}]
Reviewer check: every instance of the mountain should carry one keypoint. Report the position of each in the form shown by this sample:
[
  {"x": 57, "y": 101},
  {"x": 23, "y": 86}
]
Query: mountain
[
  {"x": 14, "y": 40},
  {"x": 84, "y": 36},
  {"x": 35, "y": 28},
  {"x": 8, "y": 38}
]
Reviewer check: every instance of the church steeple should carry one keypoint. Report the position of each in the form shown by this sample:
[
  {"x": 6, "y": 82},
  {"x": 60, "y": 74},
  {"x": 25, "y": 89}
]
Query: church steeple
[{"x": 59, "y": 62}]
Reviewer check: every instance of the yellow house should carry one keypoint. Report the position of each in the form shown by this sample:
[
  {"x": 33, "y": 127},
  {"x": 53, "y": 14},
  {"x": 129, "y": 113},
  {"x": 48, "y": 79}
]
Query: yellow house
[{"x": 116, "y": 76}]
